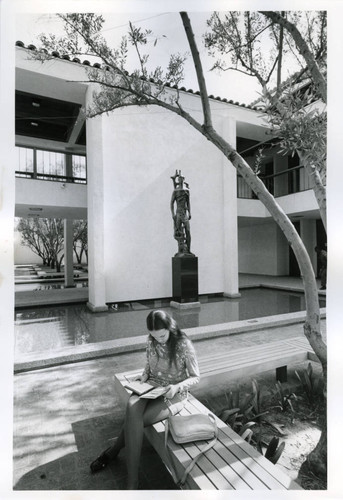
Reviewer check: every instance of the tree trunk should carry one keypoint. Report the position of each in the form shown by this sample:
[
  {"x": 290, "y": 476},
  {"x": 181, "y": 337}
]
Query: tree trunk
[
  {"x": 80, "y": 256},
  {"x": 312, "y": 325},
  {"x": 316, "y": 461},
  {"x": 318, "y": 187},
  {"x": 312, "y": 329},
  {"x": 303, "y": 50}
]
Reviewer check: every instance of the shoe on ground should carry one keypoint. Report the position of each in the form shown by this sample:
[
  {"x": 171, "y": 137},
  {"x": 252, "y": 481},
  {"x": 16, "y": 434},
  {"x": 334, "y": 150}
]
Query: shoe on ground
[{"x": 99, "y": 463}]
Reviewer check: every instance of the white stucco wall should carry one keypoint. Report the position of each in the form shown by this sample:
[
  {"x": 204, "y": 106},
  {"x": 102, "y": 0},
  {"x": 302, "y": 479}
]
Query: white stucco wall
[
  {"x": 254, "y": 255},
  {"x": 23, "y": 255},
  {"x": 48, "y": 193},
  {"x": 142, "y": 148}
]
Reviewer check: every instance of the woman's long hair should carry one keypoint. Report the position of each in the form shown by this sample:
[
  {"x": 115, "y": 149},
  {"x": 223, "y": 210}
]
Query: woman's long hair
[{"x": 158, "y": 320}]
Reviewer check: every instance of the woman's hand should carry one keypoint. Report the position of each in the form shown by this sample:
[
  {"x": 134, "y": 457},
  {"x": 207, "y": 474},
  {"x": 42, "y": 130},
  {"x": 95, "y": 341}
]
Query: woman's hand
[
  {"x": 172, "y": 390},
  {"x": 141, "y": 378}
]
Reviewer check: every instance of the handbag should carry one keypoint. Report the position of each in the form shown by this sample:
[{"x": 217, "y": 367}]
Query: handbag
[{"x": 187, "y": 429}]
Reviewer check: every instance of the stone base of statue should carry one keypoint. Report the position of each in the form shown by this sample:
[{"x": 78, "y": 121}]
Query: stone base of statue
[{"x": 185, "y": 281}]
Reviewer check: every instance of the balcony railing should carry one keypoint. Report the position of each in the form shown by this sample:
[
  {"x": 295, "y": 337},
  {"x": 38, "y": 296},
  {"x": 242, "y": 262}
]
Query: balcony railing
[
  {"x": 50, "y": 177},
  {"x": 54, "y": 166},
  {"x": 292, "y": 180}
]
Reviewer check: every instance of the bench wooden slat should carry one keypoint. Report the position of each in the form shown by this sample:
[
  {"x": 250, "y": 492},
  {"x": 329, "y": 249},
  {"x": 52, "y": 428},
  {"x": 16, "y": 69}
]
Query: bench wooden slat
[
  {"x": 249, "y": 357},
  {"x": 207, "y": 467},
  {"x": 303, "y": 343},
  {"x": 181, "y": 458},
  {"x": 272, "y": 361},
  {"x": 230, "y": 373},
  {"x": 280, "y": 344},
  {"x": 258, "y": 471},
  {"x": 257, "y": 463},
  {"x": 231, "y": 479},
  {"x": 243, "y": 476}
]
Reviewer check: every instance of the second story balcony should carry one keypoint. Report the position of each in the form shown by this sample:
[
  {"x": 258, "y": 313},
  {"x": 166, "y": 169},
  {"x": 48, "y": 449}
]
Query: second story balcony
[
  {"x": 290, "y": 181},
  {"x": 34, "y": 163},
  {"x": 50, "y": 184}
]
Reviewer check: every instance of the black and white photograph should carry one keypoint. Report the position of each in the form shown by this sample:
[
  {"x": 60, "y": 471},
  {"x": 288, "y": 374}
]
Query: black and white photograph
[{"x": 171, "y": 254}]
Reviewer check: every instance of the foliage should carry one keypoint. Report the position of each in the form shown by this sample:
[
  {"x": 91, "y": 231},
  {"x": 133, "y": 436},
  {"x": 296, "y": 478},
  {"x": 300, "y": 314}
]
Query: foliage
[
  {"x": 234, "y": 412},
  {"x": 44, "y": 237},
  {"x": 284, "y": 397},
  {"x": 118, "y": 88},
  {"x": 80, "y": 239},
  {"x": 251, "y": 43},
  {"x": 257, "y": 44},
  {"x": 241, "y": 413},
  {"x": 300, "y": 128},
  {"x": 312, "y": 384},
  {"x": 257, "y": 409}
]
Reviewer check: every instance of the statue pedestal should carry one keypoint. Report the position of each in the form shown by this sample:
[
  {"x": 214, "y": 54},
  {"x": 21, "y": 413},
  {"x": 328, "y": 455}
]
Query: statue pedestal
[{"x": 185, "y": 282}]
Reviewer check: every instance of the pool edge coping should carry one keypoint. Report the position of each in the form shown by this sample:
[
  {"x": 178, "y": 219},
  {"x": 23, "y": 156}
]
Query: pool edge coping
[{"x": 87, "y": 352}]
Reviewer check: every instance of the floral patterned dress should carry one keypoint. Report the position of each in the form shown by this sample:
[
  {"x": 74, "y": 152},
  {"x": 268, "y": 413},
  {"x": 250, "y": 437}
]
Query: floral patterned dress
[{"x": 184, "y": 372}]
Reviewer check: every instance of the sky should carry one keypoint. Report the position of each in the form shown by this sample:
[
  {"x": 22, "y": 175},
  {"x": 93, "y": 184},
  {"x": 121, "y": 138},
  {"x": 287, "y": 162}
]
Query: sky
[{"x": 168, "y": 31}]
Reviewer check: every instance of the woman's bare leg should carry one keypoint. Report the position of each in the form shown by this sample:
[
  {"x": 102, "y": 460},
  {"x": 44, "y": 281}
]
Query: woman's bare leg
[
  {"x": 139, "y": 413},
  {"x": 154, "y": 412},
  {"x": 119, "y": 444},
  {"x": 134, "y": 438}
]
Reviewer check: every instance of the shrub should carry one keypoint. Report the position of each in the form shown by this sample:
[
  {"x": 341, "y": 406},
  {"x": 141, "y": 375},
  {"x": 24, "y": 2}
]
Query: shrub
[
  {"x": 284, "y": 397},
  {"x": 312, "y": 384}
]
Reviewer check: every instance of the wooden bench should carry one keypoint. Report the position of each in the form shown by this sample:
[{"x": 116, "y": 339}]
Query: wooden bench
[
  {"x": 247, "y": 361},
  {"x": 233, "y": 463}
]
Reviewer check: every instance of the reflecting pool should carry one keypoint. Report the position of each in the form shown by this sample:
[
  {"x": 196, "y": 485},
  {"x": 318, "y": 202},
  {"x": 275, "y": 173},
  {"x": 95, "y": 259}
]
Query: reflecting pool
[{"x": 51, "y": 327}]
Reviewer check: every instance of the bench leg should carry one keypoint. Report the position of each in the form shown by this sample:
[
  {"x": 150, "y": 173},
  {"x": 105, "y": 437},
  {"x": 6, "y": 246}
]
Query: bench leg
[{"x": 281, "y": 374}]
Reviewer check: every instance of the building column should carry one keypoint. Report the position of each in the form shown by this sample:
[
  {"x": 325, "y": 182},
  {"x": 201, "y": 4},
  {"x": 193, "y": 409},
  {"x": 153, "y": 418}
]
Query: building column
[
  {"x": 95, "y": 196},
  {"x": 68, "y": 254},
  {"x": 308, "y": 236},
  {"x": 230, "y": 229}
]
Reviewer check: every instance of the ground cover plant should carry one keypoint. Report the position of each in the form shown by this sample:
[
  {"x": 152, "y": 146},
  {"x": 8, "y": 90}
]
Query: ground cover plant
[{"x": 281, "y": 420}]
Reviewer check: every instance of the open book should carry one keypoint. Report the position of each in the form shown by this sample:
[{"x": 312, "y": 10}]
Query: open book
[{"x": 145, "y": 390}]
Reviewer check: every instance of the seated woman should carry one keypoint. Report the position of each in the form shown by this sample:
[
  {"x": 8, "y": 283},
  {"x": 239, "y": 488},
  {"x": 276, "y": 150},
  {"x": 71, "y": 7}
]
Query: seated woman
[{"x": 172, "y": 363}]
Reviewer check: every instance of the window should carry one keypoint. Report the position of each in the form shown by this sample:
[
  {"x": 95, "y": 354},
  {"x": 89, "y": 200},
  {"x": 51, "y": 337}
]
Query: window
[
  {"x": 25, "y": 161},
  {"x": 79, "y": 168},
  {"x": 51, "y": 163}
]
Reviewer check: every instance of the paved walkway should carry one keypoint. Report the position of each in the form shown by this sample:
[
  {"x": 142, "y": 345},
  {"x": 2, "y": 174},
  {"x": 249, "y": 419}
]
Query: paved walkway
[{"x": 65, "y": 415}]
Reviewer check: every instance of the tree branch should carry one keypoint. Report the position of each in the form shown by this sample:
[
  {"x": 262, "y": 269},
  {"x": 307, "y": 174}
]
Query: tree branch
[
  {"x": 303, "y": 49},
  {"x": 198, "y": 68}
]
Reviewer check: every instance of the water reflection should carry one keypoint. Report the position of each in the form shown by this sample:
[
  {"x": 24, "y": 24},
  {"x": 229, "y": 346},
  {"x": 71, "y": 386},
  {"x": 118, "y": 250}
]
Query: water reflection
[
  {"x": 52, "y": 327},
  {"x": 24, "y": 287}
]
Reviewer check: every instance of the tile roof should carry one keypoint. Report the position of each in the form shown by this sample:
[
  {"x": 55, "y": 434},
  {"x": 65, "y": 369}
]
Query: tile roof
[{"x": 56, "y": 54}]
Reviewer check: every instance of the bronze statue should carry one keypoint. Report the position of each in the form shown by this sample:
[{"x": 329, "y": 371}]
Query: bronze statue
[{"x": 182, "y": 215}]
